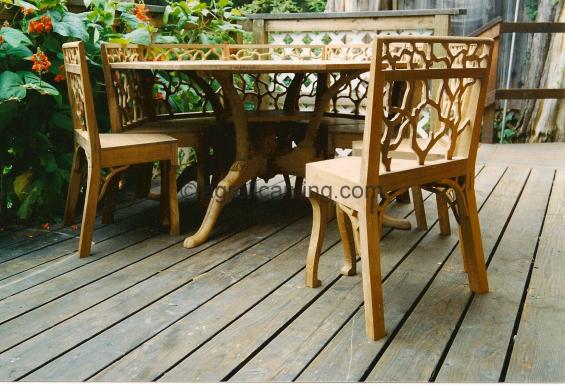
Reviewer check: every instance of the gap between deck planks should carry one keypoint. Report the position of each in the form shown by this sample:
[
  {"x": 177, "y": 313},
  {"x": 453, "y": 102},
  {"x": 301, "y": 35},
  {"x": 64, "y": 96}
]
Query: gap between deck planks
[
  {"x": 41, "y": 319},
  {"x": 274, "y": 310},
  {"x": 538, "y": 352},
  {"x": 418, "y": 348},
  {"x": 297, "y": 257},
  {"x": 110, "y": 239},
  {"x": 349, "y": 355},
  {"x": 142, "y": 275}
]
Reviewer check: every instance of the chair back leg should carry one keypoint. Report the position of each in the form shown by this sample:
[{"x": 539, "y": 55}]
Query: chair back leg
[
  {"x": 89, "y": 213},
  {"x": 370, "y": 225},
  {"x": 74, "y": 186}
]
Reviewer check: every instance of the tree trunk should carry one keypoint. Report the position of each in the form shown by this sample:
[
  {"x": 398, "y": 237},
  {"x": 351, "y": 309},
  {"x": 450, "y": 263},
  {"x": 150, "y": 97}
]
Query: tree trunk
[
  {"x": 547, "y": 121},
  {"x": 537, "y": 62},
  {"x": 357, "y": 5}
]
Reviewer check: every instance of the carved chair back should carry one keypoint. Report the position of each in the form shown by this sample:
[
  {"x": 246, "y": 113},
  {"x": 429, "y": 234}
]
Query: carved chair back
[
  {"x": 448, "y": 76},
  {"x": 80, "y": 95}
]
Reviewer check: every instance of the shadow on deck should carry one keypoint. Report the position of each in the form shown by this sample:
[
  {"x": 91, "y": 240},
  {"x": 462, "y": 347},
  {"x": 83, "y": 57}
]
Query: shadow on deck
[{"x": 144, "y": 308}]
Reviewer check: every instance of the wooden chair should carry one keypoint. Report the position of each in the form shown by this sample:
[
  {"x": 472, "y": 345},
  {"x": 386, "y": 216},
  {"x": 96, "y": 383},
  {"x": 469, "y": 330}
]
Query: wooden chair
[
  {"x": 114, "y": 152},
  {"x": 134, "y": 110},
  {"x": 363, "y": 186}
]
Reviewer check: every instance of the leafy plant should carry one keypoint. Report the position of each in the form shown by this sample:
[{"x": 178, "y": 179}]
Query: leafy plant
[
  {"x": 35, "y": 123},
  {"x": 283, "y": 6},
  {"x": 510, "y": 127}
]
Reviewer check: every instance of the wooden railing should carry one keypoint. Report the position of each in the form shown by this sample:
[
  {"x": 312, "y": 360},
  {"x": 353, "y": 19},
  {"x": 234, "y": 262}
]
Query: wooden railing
[
  {"x": 495, "y": 29},
  {"x": 348, "y": 27}
]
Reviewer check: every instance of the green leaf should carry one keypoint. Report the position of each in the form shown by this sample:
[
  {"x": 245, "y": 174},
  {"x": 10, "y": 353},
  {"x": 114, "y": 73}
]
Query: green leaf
[
  {"x": 166, "y": 39},
  {"x": 20, "y": 52},
  {"x": 139, "y": 36},
  {"x": 11, "y": 86},
  {"x": 34, "y": 82},
  {"x": 71, "y": 25},
  {"x": 14, "y": 37}
]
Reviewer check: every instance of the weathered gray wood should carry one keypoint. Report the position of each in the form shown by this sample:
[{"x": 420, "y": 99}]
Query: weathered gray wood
[
  {"x": 31, "y": 240},
  {"x": 479, "y": 348},
  {"x": 46, "y": 251},
  {"x": 41, "y": 318},
  {"x": 216, "y": 359},
  {"x": 425, "y": 335},
  {"x": 163, "y": 298},
  {"x": 167, "y": 347},
  {"x": 348, "y": 355},
  {"x": 539, "y": 348},
  {"x": 356, "y": 15}
]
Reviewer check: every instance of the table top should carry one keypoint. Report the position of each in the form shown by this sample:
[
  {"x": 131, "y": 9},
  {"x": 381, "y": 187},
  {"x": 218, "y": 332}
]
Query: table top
[{"x": 247, "y": 66}]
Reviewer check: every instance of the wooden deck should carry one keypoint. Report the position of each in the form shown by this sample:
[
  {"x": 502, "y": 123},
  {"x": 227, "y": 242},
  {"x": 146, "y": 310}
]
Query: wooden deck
[{"x": 236, "y": 309}]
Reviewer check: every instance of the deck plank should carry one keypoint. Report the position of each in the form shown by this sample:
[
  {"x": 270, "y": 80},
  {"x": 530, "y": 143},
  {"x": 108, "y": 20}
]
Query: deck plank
[
  {"x": 349, "y": 354},
  {"x": 539, "y": 349},
  {"x": 416, "y": 350},
  {"x": 236, "y": 309},
  {"x": 67, "y": 306},
  {"x": 239, "y": 340},
  {"x": 187, "y": 332},
  {"x": 479, "y": 348}
]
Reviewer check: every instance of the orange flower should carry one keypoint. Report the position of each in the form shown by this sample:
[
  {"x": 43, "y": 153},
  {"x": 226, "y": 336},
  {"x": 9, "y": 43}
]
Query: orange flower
[
  {"x": 45, "y": 226},
  {"x": 159, "y": 96},
  {"x": 40, "y": 61},
  {"x": 1, "y": 39},
  {"x": 41, "y": 25},
  {"x": 74, "y": 227},
  {"x": 140, "y": 12},
  {"x": 46, "y": 20},
  {"x": 61, "y": 75},
  {"x": 26, "y": 11}
]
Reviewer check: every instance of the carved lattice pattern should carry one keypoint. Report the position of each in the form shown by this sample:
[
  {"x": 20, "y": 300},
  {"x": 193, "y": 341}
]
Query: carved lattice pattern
[{"x": 451, "y": 97}]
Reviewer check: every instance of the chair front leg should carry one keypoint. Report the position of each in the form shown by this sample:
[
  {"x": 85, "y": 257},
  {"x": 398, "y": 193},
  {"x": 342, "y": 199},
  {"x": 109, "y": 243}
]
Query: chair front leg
[
  {"x": 74, "y": 186},
  {"x": 89, "y": 213},
  {"x": 471, "y": 242},
  {"x": 370, "y": 225},
  {"x": 347, "y": 241},
  {"x": 320, "y": 207},
  {"x": 165, "y": 167},
  {"x": 173, "y": 202}
]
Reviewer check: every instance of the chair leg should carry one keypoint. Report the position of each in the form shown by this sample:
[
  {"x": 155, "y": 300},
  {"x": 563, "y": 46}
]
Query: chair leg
[
  {"x": 74, "y": 187},
  {"x": 370, "y": 234},
  {"x": 319, "y": 223},
  {"x": 472, "y": 245},
  {"x": 443, "y": 215},
  {"x": 419, "y": 208},
  {"x": 110, "y": 199},
  {"x": 347, "y": 240},
  {"x": 164, "y": 197},
  {"x": 89, "y": 213},
  {"x": 173, "y": 202}
]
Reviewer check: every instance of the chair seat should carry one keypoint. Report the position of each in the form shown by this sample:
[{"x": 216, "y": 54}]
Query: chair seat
[
  {"x": 332, "y": 174},
  {"x": 121, "y": 149}
]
